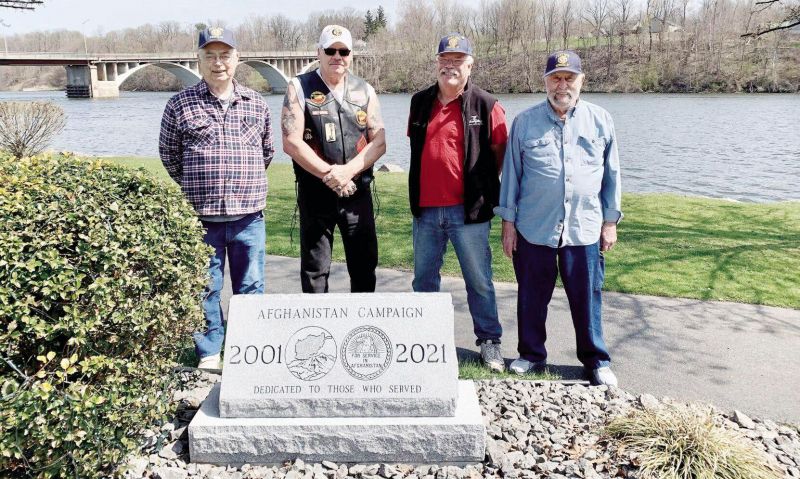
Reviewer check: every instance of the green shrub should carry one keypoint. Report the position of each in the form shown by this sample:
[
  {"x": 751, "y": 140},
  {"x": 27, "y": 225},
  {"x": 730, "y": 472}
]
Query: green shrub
[
  {"x": 680, "y": 442},
  {"x": 101, "y": 271}
]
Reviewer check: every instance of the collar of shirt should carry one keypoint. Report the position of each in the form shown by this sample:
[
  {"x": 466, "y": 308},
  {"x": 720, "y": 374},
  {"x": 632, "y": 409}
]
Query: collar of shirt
[
  {"x": 570, "y": 113},
  {"x": 238, "y": 94}
]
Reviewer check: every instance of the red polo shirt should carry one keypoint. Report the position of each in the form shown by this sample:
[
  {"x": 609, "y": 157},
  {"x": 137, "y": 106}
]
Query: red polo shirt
[{"x": 442, "y": 162}]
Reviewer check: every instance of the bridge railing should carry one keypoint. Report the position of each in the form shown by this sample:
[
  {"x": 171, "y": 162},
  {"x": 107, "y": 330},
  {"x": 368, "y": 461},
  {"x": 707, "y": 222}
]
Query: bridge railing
[{"x": 143, "y": 57}]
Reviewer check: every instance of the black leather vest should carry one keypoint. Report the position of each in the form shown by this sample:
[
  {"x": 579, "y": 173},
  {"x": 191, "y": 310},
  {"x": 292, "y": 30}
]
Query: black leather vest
[{"x": 336, "y": 132}]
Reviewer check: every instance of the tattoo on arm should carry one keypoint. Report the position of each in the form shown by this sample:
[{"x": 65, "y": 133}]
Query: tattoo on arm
[{"x": 288, "y": 117}]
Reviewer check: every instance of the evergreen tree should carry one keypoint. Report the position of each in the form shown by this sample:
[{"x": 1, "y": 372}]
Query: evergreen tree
[
  {"x": 369, "y": 25},
  {"x": 381, "y": 19}
]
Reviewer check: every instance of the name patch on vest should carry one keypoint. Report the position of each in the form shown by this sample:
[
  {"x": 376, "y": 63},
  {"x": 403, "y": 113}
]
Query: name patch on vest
[{"x": 319, "y": 112}]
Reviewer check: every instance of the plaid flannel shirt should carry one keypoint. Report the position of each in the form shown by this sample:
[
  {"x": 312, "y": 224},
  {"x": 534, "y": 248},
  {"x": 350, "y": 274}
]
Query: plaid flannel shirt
[{"x": 218, "y": 159}]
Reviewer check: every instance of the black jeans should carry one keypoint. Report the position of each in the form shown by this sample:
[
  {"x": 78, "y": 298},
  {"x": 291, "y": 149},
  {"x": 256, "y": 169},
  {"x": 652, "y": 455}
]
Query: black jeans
[{"x": 321, "y": 210}]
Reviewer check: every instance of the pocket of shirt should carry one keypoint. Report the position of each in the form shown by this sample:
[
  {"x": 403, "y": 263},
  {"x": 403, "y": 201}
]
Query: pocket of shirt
[
  {"x": 251, "y": 131},
  {"x": 200, "y": 132},
  {"x": 592, "y": 150},
  {"x": 539, "y": 151}
]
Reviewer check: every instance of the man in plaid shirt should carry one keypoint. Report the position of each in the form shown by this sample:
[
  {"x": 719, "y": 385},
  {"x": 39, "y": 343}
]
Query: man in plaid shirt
[{"x": 216, "y": 143}]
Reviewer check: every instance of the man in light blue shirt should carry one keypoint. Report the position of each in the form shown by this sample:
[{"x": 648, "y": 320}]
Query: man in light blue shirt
[{"x": 560, "y": 203}]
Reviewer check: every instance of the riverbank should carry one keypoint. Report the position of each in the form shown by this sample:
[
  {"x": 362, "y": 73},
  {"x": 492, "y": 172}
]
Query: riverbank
[{"x": 670, "y": 245}]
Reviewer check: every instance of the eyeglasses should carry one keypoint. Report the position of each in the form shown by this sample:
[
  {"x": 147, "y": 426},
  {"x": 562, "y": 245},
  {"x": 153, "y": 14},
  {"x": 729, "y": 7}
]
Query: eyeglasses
[
  {"x": 223, "y": 57},
  {"x": 332, "y": 51},
  {"x": 455, "y": 62}
]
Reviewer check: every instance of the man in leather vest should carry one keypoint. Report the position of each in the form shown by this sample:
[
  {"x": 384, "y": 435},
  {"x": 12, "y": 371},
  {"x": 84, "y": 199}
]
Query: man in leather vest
[
  {"x": 458, "y": 136},
  {"x": 333, "y": 131}
]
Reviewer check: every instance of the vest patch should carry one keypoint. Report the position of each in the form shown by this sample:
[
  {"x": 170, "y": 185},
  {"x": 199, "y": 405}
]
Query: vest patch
[
  {"x": 362, "y": 143},
  {"x": 330, "y": 132},
  {"x": 361, "y": 117},
  {"x": 317, "y": 97},
  {"x": 475, "y": 121}
]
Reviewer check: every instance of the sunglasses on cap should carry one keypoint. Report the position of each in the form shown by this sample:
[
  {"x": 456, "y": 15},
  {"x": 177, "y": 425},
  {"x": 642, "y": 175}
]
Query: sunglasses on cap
[{"x": 332, "y": 51}]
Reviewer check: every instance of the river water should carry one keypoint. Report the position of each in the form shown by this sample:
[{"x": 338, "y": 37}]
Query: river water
[{"x": 740, "y": 147}]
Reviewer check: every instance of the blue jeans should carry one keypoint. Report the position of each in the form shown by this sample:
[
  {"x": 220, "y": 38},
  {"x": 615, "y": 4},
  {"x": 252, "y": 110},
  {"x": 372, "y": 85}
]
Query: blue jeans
[
  {"x": 244, "y": 242},
  {"x": 582, "y": 272},
  {"x": 431, "y": 231}
]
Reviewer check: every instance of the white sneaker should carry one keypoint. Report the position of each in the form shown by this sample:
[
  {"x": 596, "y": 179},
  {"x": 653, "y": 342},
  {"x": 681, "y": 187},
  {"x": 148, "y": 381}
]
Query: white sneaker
[
  {"x": 603, "y": 376},
  {"x": 210, "y": 363},
  {"x": 523, "y": 366},
  {"x": 491, "y": 356}
]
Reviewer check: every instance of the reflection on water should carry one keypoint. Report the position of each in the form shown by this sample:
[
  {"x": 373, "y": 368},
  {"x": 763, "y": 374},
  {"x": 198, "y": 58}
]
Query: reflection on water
[{"x": 743, "y": 147}]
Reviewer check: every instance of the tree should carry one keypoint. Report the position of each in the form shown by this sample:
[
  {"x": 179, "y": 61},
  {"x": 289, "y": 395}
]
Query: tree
[
  {"x": 369, "y": 25},
  {"x": 27, "y": 127},
  {"x": 380, "y": 20},
  {"x": 788, "y": 17},
  {"x": 21, "y": 4}
]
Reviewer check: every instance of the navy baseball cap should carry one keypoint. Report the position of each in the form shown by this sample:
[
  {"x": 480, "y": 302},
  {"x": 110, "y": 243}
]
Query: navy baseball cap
[
  {"x": 454, "y": 42},
  {"x": 563, "y": 61},
  {"x": 216, "y": 34}
]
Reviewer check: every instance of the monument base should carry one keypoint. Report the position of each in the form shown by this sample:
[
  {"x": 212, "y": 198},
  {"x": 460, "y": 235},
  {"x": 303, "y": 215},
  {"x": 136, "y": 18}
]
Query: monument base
[{"x": 369, "y": 440}]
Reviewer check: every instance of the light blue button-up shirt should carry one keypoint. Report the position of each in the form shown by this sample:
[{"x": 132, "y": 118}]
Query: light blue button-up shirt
[{"x": 561, "y": 178}]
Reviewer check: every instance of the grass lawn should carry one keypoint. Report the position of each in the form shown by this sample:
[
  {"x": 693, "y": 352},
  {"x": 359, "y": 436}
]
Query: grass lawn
[{"x": 669, "y": 245}]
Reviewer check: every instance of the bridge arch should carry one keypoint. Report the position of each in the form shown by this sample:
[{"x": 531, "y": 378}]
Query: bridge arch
[
  {"x": 187, "y": 76},
  {"x": 310, "y": 67},
  {"x": 278, "y": 81}
]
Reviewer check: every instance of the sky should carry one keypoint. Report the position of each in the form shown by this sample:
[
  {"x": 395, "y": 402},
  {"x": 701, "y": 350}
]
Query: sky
[{"x": 99, "y": 16}]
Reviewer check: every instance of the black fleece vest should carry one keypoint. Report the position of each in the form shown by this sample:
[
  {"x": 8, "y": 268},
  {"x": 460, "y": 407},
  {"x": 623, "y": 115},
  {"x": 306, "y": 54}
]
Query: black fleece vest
[
  {"x": 481, "y": 182},
  {"x": 336, "y": 132}
]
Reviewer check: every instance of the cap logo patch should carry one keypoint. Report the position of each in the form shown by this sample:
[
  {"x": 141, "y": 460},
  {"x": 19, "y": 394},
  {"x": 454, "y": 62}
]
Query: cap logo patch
[
  {"x": 336, "y": 32},
  {"x": 452, "y": 42},
  {"x": 361, "y": 117},
  {"x": 216, "y": 32},
  {"x": 562, "y": 60},
  {"x": 317, "y": 97}
]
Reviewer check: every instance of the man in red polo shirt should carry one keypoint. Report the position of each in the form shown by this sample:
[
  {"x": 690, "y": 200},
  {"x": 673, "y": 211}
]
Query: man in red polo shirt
[{"x": 458, "y": 138}]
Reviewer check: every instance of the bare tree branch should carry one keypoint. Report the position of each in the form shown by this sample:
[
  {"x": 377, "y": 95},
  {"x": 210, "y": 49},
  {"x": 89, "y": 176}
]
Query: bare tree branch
[
  {"x": 20, "y": 4},
  {"x": 791, "y": 17},
  {"x": 782, "y": 26}
]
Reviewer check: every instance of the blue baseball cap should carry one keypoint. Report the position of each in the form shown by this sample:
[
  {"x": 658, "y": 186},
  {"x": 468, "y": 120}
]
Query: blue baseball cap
[
  {"x": 216, "y": 34},
  {"x": 456, "y": 43},
  {"x": 563, "y": 61}
]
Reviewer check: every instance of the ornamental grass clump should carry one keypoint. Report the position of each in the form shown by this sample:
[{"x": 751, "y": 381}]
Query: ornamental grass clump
[
  {"x": 685, "y": 442},
  {"x": 101, "y": 274}
]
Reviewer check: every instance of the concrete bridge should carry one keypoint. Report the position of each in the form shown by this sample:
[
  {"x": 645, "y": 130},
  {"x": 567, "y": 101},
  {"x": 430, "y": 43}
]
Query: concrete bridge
[{"x": 96, "y": 75}]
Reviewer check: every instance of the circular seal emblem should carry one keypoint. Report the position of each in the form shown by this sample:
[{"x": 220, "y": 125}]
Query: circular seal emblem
[
  {"x": 562, "y": 60},
  {"x": 310, "y": 353},
  {"x": 366, "y": 352}
]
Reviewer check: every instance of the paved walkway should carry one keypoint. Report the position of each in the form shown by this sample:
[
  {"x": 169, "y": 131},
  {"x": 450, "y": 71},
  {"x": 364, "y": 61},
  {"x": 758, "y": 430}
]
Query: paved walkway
[{"x": 735, "y": 356}]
